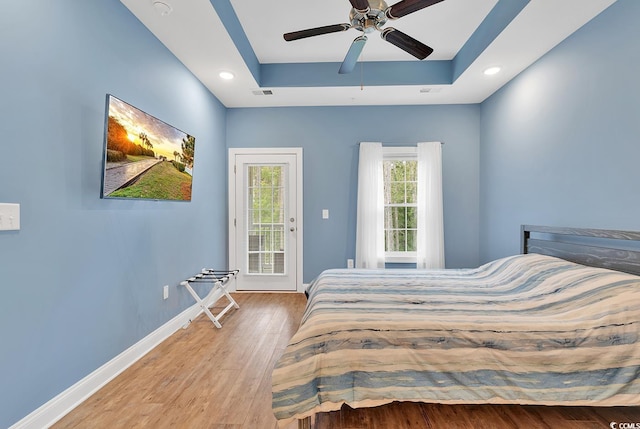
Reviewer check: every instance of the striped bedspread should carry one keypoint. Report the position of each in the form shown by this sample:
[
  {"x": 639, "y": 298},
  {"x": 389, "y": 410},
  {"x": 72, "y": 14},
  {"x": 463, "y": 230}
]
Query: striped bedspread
[{"x": 527, "y": 329}]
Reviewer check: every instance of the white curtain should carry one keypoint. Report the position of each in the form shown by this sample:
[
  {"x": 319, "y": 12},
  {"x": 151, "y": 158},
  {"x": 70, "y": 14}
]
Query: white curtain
[
  {"x": 430, "y": 241},
  {"x": 370, "y": 214}
]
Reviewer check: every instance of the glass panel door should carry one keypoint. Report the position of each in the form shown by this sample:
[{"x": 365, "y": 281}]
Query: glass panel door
[{"x": 266, "y": 224}]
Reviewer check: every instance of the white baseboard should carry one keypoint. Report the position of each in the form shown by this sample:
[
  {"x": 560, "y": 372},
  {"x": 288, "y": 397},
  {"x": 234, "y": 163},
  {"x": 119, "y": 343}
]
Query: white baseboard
[{"x": 52, "y": 411}]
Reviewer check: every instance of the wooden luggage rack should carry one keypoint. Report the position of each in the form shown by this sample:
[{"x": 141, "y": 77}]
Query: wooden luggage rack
[{"x": 218, "y": 279}]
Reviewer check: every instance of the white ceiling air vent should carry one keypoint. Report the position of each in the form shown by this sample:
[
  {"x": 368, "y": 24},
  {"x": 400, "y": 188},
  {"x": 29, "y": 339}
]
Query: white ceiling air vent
[
  {"x": 430, "y": 90},
  {"x": 262, "y": 92}
]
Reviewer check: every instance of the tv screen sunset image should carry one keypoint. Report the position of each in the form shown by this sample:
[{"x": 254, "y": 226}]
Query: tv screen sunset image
[{"x": 145, "y": 157}]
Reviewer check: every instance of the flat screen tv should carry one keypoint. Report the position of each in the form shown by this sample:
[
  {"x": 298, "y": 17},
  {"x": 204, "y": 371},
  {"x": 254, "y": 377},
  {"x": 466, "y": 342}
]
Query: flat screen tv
[{"x": 144, "y": 157}]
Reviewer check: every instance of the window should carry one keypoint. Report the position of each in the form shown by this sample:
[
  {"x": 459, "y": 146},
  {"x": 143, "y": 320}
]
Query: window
[
  {"x": 400, "y": 182},
  {"x": 397, "y": 220}
]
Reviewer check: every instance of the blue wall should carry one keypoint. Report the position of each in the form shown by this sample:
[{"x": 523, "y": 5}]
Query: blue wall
[
  {"x": 560, "y": 143},
  {"x": 329, "y": 137},
  {"x": 82, "y": 280}
]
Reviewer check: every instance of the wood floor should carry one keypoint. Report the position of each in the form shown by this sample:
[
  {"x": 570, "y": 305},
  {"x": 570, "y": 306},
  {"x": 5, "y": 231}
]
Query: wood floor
[{"x": 203, "y": 377}]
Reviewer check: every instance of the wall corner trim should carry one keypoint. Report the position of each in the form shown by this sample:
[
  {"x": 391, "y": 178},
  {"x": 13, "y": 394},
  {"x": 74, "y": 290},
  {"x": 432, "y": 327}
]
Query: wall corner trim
[{"x": 59, "y": 406}]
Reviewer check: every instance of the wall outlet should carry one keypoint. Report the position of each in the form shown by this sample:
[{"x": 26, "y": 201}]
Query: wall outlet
[
  {"x": 165, "y": 292},
  {"x": 9, "y": 217},
  {"x": 349, "y": 263}
]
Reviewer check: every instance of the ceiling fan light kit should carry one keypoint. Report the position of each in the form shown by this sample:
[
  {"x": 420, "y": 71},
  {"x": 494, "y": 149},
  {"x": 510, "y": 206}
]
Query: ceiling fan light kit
[
  {"x": 372, "y": 18},
  {"x": 367, "y": 16}
]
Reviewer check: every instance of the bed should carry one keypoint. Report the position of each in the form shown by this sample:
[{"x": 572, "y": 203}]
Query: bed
[{"x": 558, "y": 324}]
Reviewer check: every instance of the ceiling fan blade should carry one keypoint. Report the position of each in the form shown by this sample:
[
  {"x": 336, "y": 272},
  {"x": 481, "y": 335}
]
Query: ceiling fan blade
[
  {"x": 360, "y": 5},
  {"x": 296, "y": 35},
  {"x": 353, "y": 54},
  {"x": 405, "y": 7},
  {"x": 406, "y": 43}
]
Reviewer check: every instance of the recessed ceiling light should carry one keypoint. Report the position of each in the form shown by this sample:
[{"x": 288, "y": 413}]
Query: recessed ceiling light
[
  {"x": 226, "y": 75},
  {"x": 492, "y": 70},
  {"x": 162, "y": 8}
]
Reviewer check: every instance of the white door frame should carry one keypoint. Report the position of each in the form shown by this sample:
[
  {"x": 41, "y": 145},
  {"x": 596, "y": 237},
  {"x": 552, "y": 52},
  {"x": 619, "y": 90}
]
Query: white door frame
[{"x": 297, "y": 151}]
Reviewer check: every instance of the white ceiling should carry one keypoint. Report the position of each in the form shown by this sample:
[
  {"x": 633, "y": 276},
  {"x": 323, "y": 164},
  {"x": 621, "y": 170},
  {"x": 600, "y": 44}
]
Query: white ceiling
[{"x": 195, "y": 34}]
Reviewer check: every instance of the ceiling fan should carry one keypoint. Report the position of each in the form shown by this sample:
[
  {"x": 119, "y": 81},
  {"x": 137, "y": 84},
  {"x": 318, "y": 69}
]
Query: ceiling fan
[{"x": 367, "y": 16}]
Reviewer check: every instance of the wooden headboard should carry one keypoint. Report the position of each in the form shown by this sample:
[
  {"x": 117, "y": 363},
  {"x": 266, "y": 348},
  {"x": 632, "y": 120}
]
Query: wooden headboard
[{"x": 615, "y": 250}]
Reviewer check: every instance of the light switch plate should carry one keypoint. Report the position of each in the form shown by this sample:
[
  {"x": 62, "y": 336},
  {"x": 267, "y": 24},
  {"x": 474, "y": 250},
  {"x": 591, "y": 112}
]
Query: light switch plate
[
  {"x": 325, "y": 214},
  {"x": 9, "y": 217}
]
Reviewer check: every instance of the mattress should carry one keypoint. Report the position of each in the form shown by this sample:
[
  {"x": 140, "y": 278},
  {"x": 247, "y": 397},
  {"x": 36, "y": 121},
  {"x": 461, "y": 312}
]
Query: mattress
[{"x": 526, "y": 329}]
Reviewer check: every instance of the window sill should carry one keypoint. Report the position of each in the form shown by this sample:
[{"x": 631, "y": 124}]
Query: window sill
[{"x": 399, "y": 258}]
